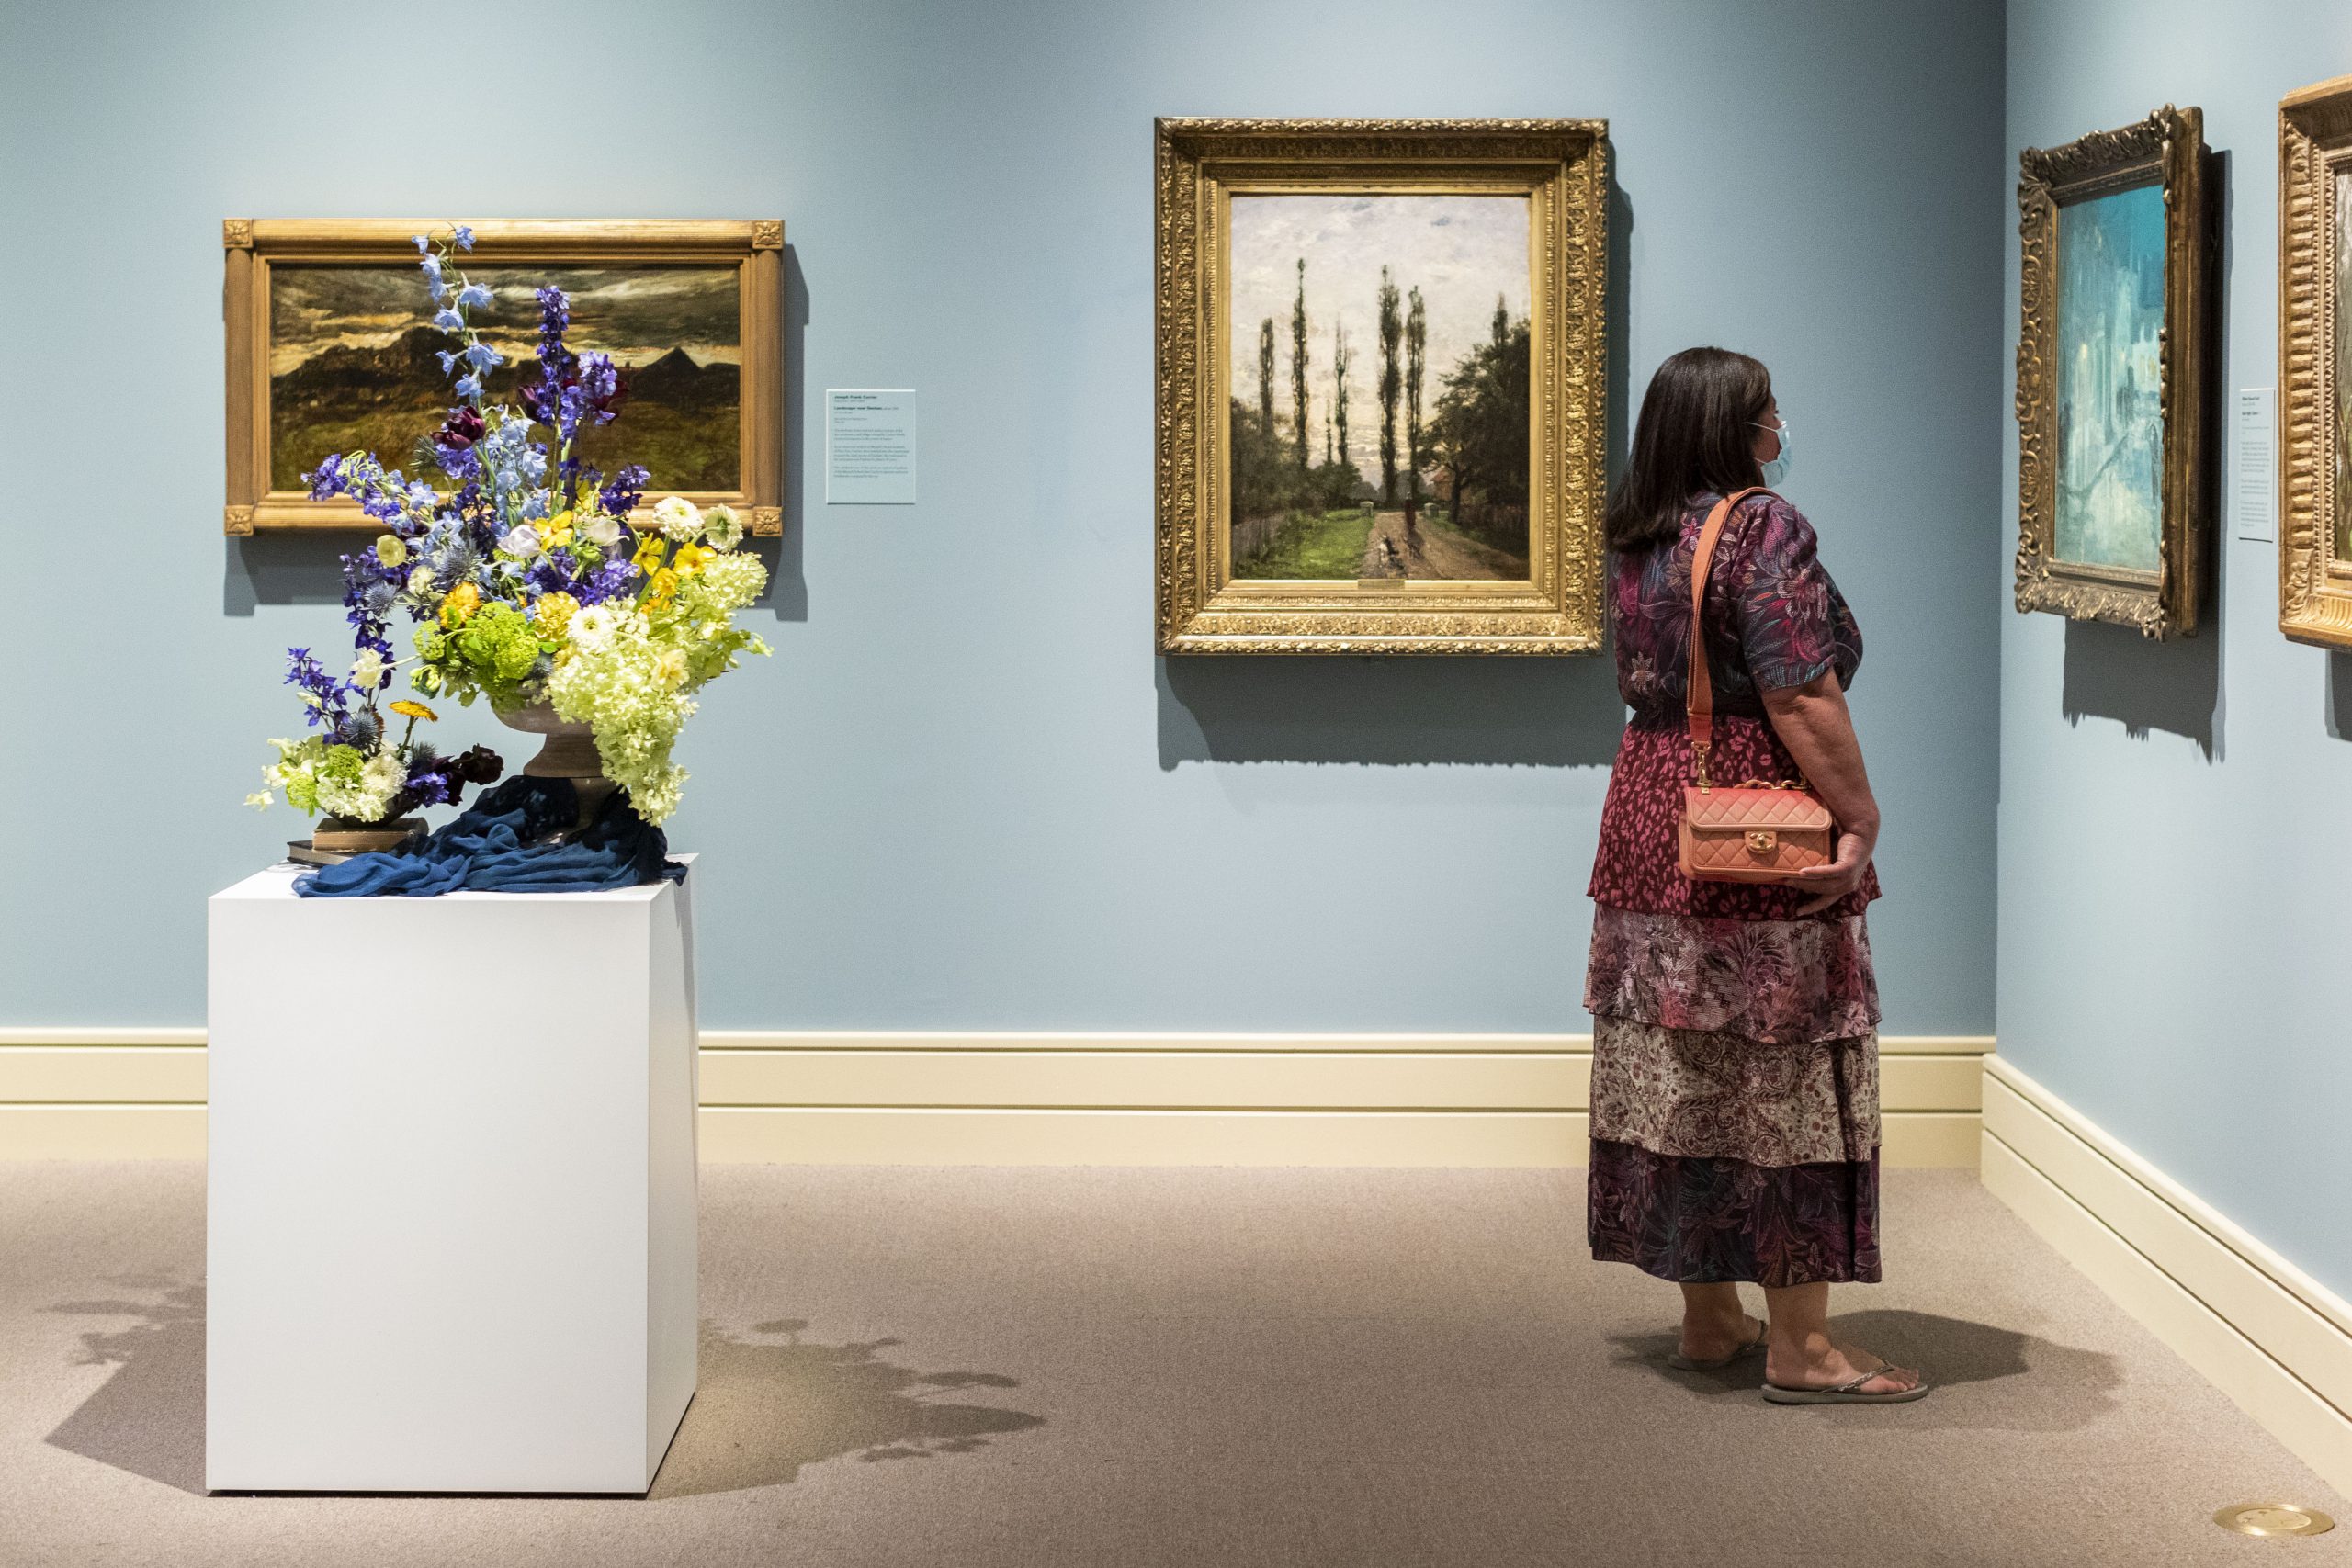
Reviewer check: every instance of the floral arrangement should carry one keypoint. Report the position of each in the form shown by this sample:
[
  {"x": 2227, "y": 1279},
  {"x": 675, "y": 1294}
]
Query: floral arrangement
[
  {"x": 530, "y": 577},
  {"x": 353, "y": 769}
]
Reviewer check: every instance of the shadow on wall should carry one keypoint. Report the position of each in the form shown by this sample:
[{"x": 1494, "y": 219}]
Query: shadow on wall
[
  {"x": 306, "y": 568},
  {"x": 2339, "y": 695},
  {"x": 1545, "y": 712},
  {"x": 2114, "y": 672}
]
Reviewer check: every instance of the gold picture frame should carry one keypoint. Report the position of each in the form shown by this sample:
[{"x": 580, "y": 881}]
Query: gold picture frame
[
  {"x": 1560, "y": 168},
  {"x": 2162, "y": 158},
  {"x": 2315, "y": 364},
  {"x": 260, "y": 498}
]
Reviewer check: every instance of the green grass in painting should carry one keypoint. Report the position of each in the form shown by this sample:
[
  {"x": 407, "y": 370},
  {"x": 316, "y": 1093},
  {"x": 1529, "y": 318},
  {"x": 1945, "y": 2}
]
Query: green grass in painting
[{"x": 1325, "y": 545}]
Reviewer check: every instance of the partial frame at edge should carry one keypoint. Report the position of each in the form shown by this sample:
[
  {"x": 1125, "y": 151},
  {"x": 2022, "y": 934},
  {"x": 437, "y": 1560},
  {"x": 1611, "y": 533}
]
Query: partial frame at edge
[{"x": 2314, "y": 150}]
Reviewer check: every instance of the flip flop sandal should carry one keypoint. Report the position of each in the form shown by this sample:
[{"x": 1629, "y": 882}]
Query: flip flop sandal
[
  {"x": 1844, "y": 1393},
  {"x": 1693, "y": 1364}
]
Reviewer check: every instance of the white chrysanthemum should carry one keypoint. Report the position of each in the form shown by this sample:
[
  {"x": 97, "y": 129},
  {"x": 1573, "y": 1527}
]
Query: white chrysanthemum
[
  {"x": 601, "y": 531},
  {"x": 722, "y": 527},
  {"x": 420, "y": 582},
  {"x": 593, "y": 627},
  {"x": 677, "y": 519},
  {"x": 367, "y": 670},
  {"x": 520, "y": 540}
]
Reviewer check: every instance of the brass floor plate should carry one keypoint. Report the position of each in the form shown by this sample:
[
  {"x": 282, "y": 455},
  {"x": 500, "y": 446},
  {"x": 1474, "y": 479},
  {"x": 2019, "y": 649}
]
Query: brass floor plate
[{"x": 2273, "y": 1518}]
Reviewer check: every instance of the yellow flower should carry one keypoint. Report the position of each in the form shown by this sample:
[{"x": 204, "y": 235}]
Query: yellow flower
[
  {"x": 690, "y": 558},
  {"x": 553, "y": 612},
  {"x": 391, "y": 550},
  {"x": 665, "y": 588},
  {"x": 407, "y": 709},
  {"x": 671, "y": 667},
  {"x": 649, "y": 551},
  {"x": 463, "y": 600}
]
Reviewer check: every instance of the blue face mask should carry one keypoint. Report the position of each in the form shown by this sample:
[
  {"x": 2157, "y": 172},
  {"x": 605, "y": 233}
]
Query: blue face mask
[{"x": 1778, "y": 469}]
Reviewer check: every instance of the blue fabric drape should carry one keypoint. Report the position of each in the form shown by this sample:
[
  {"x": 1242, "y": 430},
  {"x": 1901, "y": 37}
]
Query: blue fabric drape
[{"x": 490, "y": 849}]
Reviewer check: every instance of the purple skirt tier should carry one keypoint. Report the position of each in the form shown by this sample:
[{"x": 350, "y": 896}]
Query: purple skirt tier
[{"x": 1697, "y": 1220}]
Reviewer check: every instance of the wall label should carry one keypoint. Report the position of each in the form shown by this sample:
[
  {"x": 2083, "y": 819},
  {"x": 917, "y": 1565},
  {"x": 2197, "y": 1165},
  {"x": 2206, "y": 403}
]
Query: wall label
[
  {"x": 2254, "y": 472},
  {"x": 869, "y": 447}
]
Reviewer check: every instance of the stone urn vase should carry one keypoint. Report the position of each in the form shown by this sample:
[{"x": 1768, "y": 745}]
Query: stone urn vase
[{"x": 569, "y": 753}]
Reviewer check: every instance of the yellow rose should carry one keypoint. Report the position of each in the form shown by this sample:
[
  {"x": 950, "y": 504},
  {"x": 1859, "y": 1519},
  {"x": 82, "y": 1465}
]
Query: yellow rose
[{"x": 553, "y": 612}]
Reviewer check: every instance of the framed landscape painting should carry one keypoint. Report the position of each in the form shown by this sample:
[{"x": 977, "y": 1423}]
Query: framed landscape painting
[
  {"x": 2115, "y": 470},
  {"x": 2315, "y": 364},
  {"x": 330, "y": 349},
  {"x": 1382, "y": 385}
]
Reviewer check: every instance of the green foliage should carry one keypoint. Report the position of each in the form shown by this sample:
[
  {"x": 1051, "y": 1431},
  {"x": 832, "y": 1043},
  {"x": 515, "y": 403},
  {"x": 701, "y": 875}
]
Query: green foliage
[
  {"x": 1417, "y": 338},
  {"x": 1298, "y": 367},
  {"x": 1479, "y": 436},
  {"x": 1313, "y": 545},
  {"x": 1392, "y": 328}
]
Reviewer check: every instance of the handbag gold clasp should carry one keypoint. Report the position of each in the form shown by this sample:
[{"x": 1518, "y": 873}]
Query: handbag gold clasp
[{"x": 1761, "y": 841}]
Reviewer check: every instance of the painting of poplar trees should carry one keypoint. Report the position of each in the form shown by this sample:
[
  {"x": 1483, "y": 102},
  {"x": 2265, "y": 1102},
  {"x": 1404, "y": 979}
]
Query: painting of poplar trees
[{"x": 1379, "y": 403}]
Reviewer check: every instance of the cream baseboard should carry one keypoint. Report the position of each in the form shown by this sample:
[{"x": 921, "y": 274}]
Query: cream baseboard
[
  {"x": 890, "y": 1098},
  {"x": 2267, "y": 1335}
]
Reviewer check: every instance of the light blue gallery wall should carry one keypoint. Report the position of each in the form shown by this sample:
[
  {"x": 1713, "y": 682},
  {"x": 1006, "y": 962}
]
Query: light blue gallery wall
[
  {"x": 2173, "y": 924},
  {"x": 965, "y": 793}
]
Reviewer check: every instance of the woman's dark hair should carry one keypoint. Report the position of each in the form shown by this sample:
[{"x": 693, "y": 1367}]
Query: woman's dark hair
[{"x": 1693, "y": 436}]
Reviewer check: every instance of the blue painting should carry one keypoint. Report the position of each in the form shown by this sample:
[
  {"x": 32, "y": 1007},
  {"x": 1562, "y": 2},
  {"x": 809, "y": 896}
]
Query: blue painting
[{"x": 2110, "y": 368}]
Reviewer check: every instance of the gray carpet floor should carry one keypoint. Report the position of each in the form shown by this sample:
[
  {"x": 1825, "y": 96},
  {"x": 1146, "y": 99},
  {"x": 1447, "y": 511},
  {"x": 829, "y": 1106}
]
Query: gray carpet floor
[{"x": 1226, "y": 1367}]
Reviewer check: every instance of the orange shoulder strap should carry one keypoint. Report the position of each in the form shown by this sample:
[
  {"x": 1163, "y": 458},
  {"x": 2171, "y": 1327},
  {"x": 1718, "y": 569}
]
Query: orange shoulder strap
[{"x": 1701, "y": 694}]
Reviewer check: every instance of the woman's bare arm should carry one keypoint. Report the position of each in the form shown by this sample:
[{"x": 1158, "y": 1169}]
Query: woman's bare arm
[{"x": 1812, "y": 722}]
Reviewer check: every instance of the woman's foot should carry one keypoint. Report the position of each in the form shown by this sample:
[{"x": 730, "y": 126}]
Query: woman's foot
[
  {"x": 1819, "y": 1361},
  {"x": 1717, "y": 1337}
]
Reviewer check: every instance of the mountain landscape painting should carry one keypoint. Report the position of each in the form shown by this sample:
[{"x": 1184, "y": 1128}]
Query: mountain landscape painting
[{"x": 351, "y": 363}]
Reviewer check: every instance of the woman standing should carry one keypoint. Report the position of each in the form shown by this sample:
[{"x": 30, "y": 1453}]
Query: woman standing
[{"x": 1735, "y": 1056}]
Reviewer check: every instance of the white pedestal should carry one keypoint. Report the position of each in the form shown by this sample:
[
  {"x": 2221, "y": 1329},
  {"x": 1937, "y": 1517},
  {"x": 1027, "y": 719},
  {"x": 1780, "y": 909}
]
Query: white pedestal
[{"x": 451, "y": 1240}]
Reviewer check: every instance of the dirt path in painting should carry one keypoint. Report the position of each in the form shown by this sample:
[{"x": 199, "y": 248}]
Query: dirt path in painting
[{"x": 1434, "y": 554}]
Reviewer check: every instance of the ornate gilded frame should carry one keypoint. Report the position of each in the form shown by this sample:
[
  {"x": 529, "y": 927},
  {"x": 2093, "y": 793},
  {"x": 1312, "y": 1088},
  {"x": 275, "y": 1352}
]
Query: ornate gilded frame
[
  {"x": 2315, "y": 445},
  {"x": 1562, "y": 165},
  {"x": 255, "y": 246},
  {"x": 2166, "y": 148}
]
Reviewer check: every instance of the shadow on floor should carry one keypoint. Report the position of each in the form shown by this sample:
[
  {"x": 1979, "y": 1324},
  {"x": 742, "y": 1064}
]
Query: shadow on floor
[
  {"x": 764, "y": 1409},
  {"x": 767, "y": 1403},
  {"x": 148, "y": 1418},
  {"x": 2064, "y": 1387}
]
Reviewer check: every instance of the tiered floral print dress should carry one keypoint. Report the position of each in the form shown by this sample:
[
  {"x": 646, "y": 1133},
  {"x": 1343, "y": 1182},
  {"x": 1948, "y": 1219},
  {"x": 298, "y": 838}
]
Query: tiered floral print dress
[{"x": 1735, "y": 1061}]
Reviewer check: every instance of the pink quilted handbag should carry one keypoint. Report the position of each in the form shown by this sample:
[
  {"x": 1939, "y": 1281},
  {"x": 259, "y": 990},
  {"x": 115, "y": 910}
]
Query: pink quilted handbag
[{"x": 1753, "y": 831}]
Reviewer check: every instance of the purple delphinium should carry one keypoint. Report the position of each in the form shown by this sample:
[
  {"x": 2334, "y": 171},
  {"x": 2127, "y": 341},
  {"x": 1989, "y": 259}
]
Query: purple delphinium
[
  {"x": 621, "y": 493},
  {"x": 610, "y": 580},
  {"x": 333, "y": 707}
]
